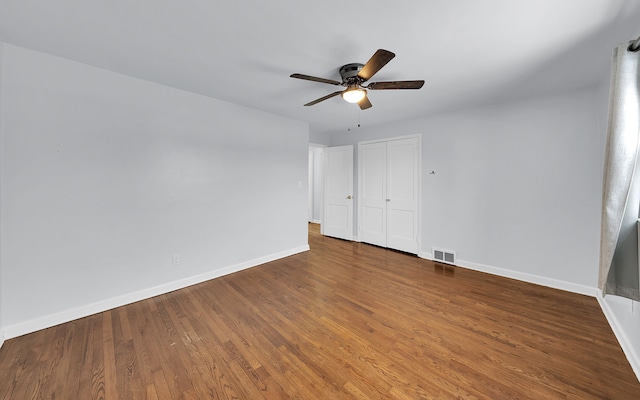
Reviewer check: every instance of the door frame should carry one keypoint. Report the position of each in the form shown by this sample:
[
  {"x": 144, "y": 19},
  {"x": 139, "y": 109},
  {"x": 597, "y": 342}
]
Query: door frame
[{"x": 419, "y": 174}]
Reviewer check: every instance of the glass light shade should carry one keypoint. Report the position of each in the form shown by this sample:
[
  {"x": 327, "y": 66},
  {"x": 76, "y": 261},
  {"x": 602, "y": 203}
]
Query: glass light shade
[{"x": 353, "y": 95}]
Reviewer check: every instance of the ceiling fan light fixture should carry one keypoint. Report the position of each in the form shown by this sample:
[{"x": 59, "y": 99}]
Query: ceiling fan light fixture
[{"x": 354, "y": 95}]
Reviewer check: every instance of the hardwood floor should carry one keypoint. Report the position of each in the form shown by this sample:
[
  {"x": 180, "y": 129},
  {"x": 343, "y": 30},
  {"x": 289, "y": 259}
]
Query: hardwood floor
[{"x": 344, "y": 320}]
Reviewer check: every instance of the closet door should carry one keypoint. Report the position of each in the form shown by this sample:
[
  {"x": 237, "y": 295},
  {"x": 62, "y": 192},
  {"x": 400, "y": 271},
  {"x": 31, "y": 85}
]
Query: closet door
[
  {"x": 402, "y": 195},
  {"x": 388, "y": 192},
  {"x": 372, "y": 160}
]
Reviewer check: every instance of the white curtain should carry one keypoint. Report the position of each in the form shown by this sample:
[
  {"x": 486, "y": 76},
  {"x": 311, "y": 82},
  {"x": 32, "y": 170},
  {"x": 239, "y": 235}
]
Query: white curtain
[{"x": 621, "y": 186}]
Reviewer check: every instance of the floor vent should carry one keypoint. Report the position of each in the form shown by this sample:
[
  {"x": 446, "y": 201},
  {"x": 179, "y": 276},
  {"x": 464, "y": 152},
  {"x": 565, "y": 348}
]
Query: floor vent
[{"x": 444, "y": 256}]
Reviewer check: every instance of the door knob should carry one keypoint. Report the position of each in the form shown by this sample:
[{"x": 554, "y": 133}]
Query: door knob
[
  {"x": 349, "y": 197},
  {"x": 388, "y": 200}
]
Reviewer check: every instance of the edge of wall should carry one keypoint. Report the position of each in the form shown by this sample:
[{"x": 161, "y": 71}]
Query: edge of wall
[
  {"x": 522, "y": 276},
  {"x": 618, "y": 331},
  {"x": 108, "y": 304}
]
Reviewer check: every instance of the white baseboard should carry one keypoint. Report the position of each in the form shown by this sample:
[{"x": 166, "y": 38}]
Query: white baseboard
[
  {"x": 530, "y": 278},
  {"x": 425, "y": 255},
  {"x": 315, "y": 221},
  {"x": 1, "y": 337},
  {"x": 522, "y": 276},
  {"x": 83, "y": 311},
  {"x": 633, "y": 355}
]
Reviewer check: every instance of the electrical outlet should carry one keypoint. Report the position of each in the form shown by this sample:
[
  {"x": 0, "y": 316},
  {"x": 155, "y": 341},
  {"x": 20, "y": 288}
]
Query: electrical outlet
[{"x": 175, "y": 260}]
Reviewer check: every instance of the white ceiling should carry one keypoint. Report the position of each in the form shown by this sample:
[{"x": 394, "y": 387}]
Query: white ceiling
[{"x": 469, "y": 52}]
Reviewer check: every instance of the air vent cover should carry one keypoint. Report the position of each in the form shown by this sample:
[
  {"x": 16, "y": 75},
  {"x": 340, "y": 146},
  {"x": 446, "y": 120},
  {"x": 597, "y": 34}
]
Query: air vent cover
[{"x": 444, "y": 256}]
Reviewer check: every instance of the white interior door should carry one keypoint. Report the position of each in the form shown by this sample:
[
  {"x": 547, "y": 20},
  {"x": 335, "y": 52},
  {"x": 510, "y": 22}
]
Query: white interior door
[
  {"x": 337, "y": 218},
  {"x": 372, "y": 193},
  {"x": 402, "y": 195},
  {"x": 388, "y": 191}
]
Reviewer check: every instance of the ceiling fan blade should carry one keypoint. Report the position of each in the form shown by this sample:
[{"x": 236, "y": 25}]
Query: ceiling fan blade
[
  {"x": 395, "y": 85},
  {"x": 375, "y": 63},
  {"x": 364, "y": 103},
  {"x": 323, "y": 98},
  {"x": 315, "y": 79}
]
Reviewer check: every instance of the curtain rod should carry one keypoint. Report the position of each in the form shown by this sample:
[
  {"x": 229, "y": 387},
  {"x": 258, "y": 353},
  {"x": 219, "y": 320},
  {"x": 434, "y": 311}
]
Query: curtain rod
[{"x": 635, "y": 46}]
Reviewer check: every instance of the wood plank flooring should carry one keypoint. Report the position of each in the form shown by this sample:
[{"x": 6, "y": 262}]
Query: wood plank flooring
[{"x": 342, "y": 321}]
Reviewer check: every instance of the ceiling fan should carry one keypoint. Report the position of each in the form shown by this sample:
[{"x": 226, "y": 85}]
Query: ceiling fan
[{"x": 355, "y": 75}]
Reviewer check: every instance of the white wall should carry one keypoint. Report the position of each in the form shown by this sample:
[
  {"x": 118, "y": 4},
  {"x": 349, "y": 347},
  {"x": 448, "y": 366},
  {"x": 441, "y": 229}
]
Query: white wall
[
  {"x": 106, "y": 177},
  {"x": 516, "y": 189},
  {"x": 1, "y": 162},
  {"x": 319, "y": 138}
]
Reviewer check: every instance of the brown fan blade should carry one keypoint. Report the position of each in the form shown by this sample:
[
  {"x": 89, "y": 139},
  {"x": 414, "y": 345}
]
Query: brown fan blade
[
  {"x": 323, "y": 98},
  {"x": 395, "y": 85},
  {"x": 375, "y": 63},
  {"x": 364, "y": 103},
  {"x": 315, "y": 79}
]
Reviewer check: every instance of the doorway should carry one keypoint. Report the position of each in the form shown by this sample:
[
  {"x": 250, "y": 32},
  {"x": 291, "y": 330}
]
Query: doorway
[{"x": 316, "y": 182}]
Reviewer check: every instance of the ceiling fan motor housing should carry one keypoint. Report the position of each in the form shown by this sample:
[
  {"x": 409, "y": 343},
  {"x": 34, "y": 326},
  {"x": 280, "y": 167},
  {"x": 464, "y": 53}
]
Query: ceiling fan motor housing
[{"x": 349, "y": 72}]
